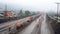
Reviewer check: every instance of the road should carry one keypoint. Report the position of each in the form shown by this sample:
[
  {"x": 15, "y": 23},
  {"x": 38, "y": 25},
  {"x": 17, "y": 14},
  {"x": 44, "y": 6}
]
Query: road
[
  {"x": 13, "y": 22},
  {"x": 42, "y": 29},
  {"x": 38, "y": 26},
  {"x": 3, "y": 26},
  {"x": 30, "y": 28},
  {"x": 45, "y": 27}
]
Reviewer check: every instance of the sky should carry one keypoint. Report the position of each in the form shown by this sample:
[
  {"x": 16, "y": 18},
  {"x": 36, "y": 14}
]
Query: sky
[{"x": 39, "y": 5}]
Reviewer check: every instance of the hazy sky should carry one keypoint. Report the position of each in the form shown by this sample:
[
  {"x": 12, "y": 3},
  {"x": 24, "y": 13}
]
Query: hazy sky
[{"x": 40, "y": 5}]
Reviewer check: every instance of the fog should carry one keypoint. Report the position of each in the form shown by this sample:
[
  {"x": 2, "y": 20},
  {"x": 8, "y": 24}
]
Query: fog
[{"x": 36, "y": 5}]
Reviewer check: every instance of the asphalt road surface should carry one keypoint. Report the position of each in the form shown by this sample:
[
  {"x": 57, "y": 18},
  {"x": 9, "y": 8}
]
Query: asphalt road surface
[
  {"x": 44, "y": 27},
  {"x": 3, "y": 25},
  {"x": 29, "y": 30}
]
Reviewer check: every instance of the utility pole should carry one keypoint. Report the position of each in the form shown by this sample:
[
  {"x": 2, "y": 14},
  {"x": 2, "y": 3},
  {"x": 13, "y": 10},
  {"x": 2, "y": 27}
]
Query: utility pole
[
  {"x": 5, "y": 7},
  {"x": 5, "y": 11},
  {"x": 57, "y": 10}
]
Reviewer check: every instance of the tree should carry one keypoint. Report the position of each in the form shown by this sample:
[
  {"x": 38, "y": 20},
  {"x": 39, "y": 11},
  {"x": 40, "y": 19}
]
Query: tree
[
  {"x": 27, "y": 13},
  {"x": 33, "y": 13},
  {"x": 20, "y": 13}
]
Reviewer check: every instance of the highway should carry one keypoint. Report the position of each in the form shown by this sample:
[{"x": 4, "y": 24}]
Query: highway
[
  {"x": 12, "y": 22},
  {"x": 54, "y": 23},
  {"x": 42, "y": 28},
  {"x": 29, "y": 29},
  {"x": 3, "y": 26},
  {"x": 38, "y": 26}
]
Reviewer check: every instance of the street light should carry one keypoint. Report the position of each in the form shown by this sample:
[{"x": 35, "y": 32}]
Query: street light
[{"x": 57, "y": 10}]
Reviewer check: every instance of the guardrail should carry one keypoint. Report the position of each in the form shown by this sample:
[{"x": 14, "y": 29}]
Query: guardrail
[{"x": 50, "y": 23}]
